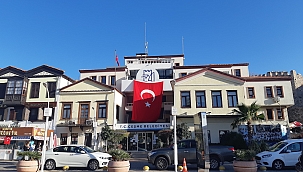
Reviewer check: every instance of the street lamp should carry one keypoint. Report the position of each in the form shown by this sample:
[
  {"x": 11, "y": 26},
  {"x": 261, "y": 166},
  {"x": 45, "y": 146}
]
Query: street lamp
[
  {"x": 174, "y": 114},
  {"x": 47, "y": 113}
]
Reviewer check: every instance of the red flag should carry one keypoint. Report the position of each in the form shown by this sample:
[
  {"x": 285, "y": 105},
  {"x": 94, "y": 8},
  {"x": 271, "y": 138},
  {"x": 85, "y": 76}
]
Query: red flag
[
  {"x": 7, "y": 140},
  {"x": 117, "y": 60},
  {"x": 147, "y": 101}
]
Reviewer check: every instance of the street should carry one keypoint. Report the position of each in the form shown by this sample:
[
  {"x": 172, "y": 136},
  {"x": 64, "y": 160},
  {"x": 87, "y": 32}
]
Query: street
[{"x": 136, "y": 165}]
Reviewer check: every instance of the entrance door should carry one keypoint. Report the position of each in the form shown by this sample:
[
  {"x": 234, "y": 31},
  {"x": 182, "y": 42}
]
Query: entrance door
[
  {"x": 145, "y": 141},
  {"x": 88, "y": 139}
]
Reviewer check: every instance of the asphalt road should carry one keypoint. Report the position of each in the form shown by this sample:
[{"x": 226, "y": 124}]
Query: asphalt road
[{"x": 135, "y": 165}]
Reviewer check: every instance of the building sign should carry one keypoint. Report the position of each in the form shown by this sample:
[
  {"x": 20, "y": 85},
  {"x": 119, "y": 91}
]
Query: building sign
[
  {"x": 143, "y": 126},
  {"x": 147, "y": 74},
  {"x": 8, "y": 132}
]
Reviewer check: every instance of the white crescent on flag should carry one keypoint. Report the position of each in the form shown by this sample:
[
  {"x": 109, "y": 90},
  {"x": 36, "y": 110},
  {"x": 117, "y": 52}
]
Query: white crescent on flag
[{"x": 149, "y": 92}]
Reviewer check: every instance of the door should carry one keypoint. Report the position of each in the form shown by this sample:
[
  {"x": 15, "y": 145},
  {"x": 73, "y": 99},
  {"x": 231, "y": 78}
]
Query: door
[
  {"x": 291, "y": 153},
  {"x": 79, "y": 159},
  {"x": 88, "y": 139},
  {"x": 61, "y": 155},
  {"x": 185, "y": 151},
  {"x": 149, "y": 141},
  {"x": 141, "y": 141}
]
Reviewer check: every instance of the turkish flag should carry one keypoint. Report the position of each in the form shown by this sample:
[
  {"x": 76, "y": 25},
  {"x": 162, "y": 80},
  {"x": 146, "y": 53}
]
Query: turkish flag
[
  {"x": 147, "y": 101},
  {"x": 7, "y": 140}
]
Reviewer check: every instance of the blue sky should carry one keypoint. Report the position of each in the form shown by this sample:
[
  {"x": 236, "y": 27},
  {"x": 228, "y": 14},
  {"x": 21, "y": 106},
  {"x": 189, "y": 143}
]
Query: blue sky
[{"x": 72, "y": 35}]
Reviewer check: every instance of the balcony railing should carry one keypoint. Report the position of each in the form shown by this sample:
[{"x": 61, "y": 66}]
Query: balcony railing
[{"x": 164, "y": 103}]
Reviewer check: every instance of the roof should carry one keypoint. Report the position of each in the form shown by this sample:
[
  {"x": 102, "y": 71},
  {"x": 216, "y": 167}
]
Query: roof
[
  {"x": 211, "y": 66},
  {"x": 267, "y": 78},
  {"x": 109, "y": 69},
  {"x": 99, "y": 83},
  {"x": 205, "y": 70},
  {"x": 161, "y": 56}
]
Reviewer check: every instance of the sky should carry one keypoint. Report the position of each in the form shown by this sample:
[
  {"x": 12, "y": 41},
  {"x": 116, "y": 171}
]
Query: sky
[{"x": 78, "y": 34}]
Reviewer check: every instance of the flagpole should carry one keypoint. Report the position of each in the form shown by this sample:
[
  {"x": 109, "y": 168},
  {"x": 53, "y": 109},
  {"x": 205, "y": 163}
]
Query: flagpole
[{"x": 114, "y": 104}]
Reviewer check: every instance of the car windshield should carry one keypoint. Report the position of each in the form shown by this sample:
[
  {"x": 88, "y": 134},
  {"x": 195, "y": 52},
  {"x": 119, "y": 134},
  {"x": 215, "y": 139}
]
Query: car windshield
[
  {"x": 87, "y": 149},
  {"x": 278, "y": 146}
]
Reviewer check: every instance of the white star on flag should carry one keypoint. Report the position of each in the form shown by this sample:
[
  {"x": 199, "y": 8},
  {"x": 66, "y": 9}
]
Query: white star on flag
[{"x": 147, "y": 104}]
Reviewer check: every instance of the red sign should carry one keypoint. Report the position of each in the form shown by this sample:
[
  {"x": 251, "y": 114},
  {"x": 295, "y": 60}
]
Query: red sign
[
  {"x": 147, "y": 101},
  {"x": 7, "y": 140}
]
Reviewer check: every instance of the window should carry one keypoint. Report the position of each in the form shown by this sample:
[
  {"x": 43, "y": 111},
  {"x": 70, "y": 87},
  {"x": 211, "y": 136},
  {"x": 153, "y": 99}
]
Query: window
[
  {"x": 294, "y": 147},
  {"x": 163, "y": 98},
  {"x": 269, "y": 92},
  {"x": 14, "y": 87},
  {"x": 62, "y": 148},
  {"x": 102, "y": 109},
  {"x": 238, "y": 72},
  {"x": 52, "y": 86},
  {"x": 165, "y": 73},
  {"x": 84, "y": 112},
  {"x": 133, "y": 74},
  {"x": 269, "y": 114},
  {"x": 103, "y": 79},
  {"x": 251, "y": 92},
  {"x": 232, "y": 98},
  {"x": 67, "y": 107},
  {"x": 35, "y": 90},
  {"x": 33, "y": 114},
  {"x": 183, "y": 74},
  {"x": 113, "y": 80},
  {"x": 63, "y": 139},
  {"x": 94, "y": 78},
  {"x": 217, "y": 99},
  {"x": 279, "y": 90},
  {"x": 74, "y": 138},
  {"x": 184, "y": 145},
  {"x": 185, "y": 99},
  {"x": 280, "y": 114},
  {"x": 117, "y": 112},
  {"x": 200, "y": 99},
  {"x": 177, "y": 64}
]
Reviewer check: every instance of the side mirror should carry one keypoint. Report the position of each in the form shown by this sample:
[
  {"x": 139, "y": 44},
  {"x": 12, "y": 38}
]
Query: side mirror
[{"x": 82, "y": 152}]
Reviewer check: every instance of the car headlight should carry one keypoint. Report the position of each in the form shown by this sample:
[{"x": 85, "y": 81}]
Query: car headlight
[
  {"x": 151, "y": 153},
  {"x": 266, "y": 156}
]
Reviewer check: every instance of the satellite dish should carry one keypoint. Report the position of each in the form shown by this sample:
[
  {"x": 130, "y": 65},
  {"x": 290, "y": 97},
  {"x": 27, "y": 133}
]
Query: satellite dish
[{"x": 277, "y": 99}]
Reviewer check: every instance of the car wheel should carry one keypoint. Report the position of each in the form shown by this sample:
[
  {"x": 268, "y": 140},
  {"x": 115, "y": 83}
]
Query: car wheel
[
  {"x": 214, "y": 163},
  {"x": 50, "y": 164},
  {"x": 93, "y": 164},
  {"x": 161, "y": 163},
  {"x": 277, "y": 164}
]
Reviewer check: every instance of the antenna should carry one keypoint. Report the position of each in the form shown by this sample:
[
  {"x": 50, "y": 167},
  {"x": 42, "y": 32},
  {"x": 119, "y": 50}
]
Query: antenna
[
  {"x": 182, "y": 45},
  {"x": 145, "y": 42}
]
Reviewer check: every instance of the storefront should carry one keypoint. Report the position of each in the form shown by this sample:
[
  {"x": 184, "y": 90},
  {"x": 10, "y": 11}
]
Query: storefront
[
  {"x": 142, "y": 136},
  {"x": 18, "y": 136}
]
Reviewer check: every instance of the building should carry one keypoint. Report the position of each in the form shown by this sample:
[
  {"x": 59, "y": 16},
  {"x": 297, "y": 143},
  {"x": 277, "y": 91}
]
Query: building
[
  {"x": 215, "y": 89},
  {"x": 24, "y": 97},
  {"x": 84, "y": 108}
]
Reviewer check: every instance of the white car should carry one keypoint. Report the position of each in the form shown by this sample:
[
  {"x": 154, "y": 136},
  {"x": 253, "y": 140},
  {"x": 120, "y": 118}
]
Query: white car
[
  {"x": 75, "y": 156},
  {"x": 282, "y": 154}
]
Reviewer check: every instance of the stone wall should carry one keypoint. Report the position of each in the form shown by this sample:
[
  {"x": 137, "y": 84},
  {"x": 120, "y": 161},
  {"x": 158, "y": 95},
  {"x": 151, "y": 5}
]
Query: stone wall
[{"x": 295, "y": 112}]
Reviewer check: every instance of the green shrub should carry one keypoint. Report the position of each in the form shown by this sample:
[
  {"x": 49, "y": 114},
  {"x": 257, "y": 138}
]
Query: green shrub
[
  {"x": 31, "y": 155},
  {"x": 245, "y": 155},
  {"x": 234, "y": 139},
  {"x": 119, "y": 155}
]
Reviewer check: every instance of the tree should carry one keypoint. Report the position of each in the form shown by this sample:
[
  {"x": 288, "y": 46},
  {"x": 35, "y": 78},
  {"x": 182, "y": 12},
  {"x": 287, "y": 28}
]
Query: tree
[
  {"x": 106, "y": 134},
  {"x": 247, "y": 114},
  {"x": 183, "y": 131}
]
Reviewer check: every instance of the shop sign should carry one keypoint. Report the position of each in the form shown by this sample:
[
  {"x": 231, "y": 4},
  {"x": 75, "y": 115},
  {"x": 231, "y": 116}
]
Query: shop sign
[
  {"x": 8, "y": 132},
  {"x": 143, "y": 126}
]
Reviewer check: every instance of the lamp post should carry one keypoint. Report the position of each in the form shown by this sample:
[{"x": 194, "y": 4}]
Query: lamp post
[
  {"x": 47, "y": 113},
  {"x": 174, "y": 114}
]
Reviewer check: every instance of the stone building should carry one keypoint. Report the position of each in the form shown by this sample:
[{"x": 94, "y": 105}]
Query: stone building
[{"x": 295, "y": 111}]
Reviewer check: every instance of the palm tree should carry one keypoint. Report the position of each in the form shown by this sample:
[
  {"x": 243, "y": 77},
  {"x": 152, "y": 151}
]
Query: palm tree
[{"x": 247, "y": 114}]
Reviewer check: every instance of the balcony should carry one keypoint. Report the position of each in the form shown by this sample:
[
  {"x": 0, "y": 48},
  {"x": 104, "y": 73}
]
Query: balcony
[
  {"x": 165, "y": 105},
  {"x": 127, "y": 85},
  {"x": 14, "y": 99}
]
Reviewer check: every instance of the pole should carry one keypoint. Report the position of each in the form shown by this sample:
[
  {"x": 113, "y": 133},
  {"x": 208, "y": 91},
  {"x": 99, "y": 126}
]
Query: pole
[
  {"x": 175, "y": 143},
  {"x": 45, "y": 130}
]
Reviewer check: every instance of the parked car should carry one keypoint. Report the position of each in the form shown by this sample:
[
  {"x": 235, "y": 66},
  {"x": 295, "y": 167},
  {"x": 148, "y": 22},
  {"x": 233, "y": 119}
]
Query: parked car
[
  {"x": 282, "y": 154},
  {"x": 164, "y": 157},
  {"x": 75, "y": 156}
]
